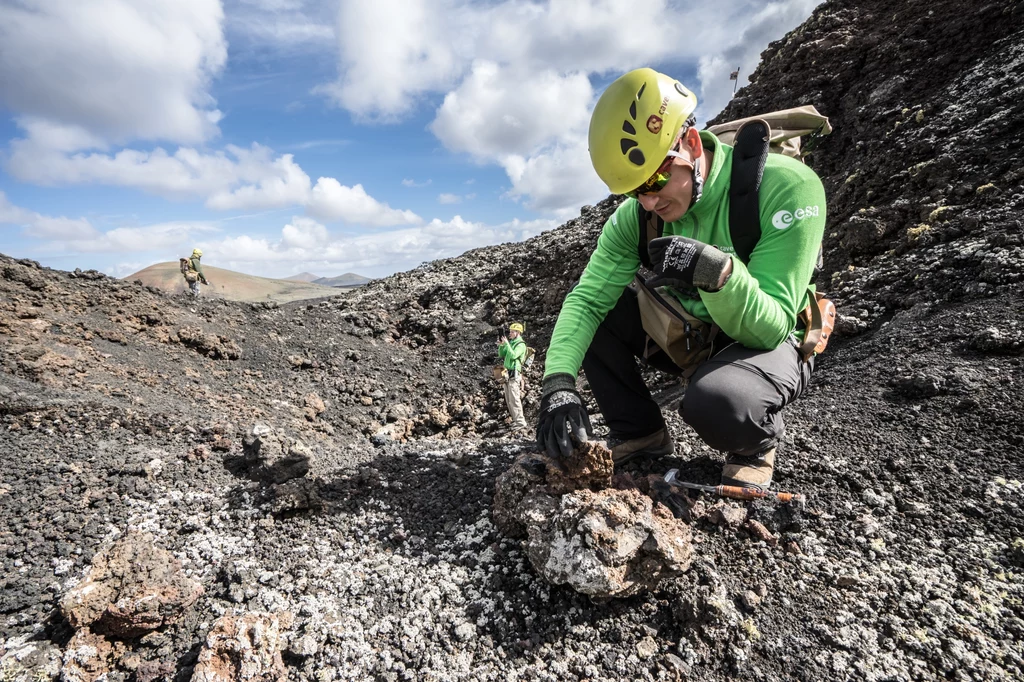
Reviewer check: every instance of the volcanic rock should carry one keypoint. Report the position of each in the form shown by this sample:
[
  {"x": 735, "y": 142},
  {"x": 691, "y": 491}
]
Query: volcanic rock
[
  {"x": 241, "y": 648},
  {"x": 274, "y": 456},
  {"x": 599, "y": 541},
  {"x": 589, "y": 466},
  {"x": 612, "y": 543},
  {"x": 28, "y": 660},
  {"x": 132, "y": 587},
  {"x": 88, "y": 658}
]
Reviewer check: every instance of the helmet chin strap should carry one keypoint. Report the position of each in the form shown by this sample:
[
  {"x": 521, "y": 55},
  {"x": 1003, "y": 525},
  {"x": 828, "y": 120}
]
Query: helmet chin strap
[
  {"x": 698, "y": 178},
  {"x": 698, "y": 185}
]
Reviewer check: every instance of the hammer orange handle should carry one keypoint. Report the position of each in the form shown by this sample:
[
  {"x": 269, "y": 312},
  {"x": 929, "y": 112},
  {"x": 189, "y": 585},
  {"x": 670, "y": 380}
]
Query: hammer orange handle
[{"x": 739, "y": 493}]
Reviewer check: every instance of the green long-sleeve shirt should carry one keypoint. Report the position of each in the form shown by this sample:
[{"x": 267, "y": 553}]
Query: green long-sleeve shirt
[
  {"x": 512, "y": 353},
  {"x": 757, "y": 307}
]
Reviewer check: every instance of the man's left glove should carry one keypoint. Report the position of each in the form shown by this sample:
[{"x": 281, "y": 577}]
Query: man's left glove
[
  {"x": 562, "y": 418},
  {"x": 683, "y": 261}
]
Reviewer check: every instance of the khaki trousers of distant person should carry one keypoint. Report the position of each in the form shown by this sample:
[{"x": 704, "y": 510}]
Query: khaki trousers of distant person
[{"x": 514, "y": 400}]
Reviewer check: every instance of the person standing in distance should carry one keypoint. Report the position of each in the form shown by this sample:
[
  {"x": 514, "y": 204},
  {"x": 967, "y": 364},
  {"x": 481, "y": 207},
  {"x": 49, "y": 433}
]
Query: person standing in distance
[{"x": 512, "y": 351}]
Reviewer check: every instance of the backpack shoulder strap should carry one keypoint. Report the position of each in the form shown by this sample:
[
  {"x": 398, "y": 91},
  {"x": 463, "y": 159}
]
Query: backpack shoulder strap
[
  {"x": 651, "y": 227},
  {"x": 748, "y": 158}
]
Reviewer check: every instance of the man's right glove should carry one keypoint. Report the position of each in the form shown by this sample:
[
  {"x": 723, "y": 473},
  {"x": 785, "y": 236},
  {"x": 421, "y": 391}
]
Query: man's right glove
[
  {"x": 562, "y": 417},
  {"x": 683, "y": 261}
]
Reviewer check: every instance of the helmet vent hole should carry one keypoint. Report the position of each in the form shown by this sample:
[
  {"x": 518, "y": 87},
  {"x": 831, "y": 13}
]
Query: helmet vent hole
[
  {"x": 632, "y": 111},
  {"x": 640, "y": 92},
  {"x": 626, "y": 145},
  {"x": 637, "y": 157},
  {"x": 627, "y": 127}
]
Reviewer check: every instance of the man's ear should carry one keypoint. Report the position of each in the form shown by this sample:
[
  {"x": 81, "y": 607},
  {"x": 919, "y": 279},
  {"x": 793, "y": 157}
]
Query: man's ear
[{"x": 692, "y": 139}]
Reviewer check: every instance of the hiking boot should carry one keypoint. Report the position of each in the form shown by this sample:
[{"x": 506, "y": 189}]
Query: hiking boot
[
  {"x": 754, "y": 471},
  {"x": 657, "y": 444}
]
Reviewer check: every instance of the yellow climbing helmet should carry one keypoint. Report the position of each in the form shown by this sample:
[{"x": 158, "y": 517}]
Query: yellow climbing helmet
[
  {"x": 516, "y": 327},
  {"x": 635, "y": 123},
  {"x": 198, "y": 253}
]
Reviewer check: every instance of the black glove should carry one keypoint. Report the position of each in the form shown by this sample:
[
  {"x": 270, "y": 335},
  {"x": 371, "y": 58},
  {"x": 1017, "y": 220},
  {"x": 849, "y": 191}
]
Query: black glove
[
  {"x": 683, "y": 261},
  {"x": 562, "y": 417}
]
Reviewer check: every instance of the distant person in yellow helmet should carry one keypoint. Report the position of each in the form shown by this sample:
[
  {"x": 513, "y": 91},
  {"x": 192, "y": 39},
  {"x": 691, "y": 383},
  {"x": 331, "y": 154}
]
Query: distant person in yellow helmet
[
  {"x": 192, "y": 270},
  {"x": 512, "y": 351},
  {"x": 644, "y": 144}
]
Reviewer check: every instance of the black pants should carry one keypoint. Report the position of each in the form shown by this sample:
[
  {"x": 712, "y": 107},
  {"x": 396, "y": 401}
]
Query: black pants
[{"x": 734, "y": 400}]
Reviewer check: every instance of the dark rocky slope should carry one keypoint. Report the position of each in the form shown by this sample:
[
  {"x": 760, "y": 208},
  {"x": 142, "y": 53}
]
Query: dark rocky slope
[{"x": 121, "y": 408}]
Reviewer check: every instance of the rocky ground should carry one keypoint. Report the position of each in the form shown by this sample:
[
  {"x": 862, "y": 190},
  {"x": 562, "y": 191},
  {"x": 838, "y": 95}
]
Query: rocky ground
[{"x": 220, "y": 490}]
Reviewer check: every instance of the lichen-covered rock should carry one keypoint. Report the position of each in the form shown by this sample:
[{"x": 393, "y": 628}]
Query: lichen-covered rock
[
  {"x": 87, "y": 658},
  {"x": 581, "y": 532},
  {"x": 294, "y": 496},
  {"x": 29, "y": 660},
  {"x": 132, "y": 587},
  {"x": 242, "y": 648},
  {"x": 510, "y": 488},
  {"x": 610, "y": 543},
  {"x": 589, "y": 466},
  {"x": 215, "y": 346},
  {"x": 275, "y": 457}
]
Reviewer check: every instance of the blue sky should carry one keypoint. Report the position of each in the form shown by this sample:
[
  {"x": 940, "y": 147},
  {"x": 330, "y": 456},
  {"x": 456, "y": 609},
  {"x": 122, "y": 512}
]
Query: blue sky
[{"x": 327, "y": 136}]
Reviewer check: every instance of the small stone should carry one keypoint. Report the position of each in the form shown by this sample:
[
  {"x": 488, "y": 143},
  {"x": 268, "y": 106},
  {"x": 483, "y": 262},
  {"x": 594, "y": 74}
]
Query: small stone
[
  {"x": 153, "y": 468},
  {"x": 727, "y": 515},
  {"x": 465, "y": 632},
  {"x": 759, "y": 532},
  {"x": 913, "y": 509},
  {"x": 646, "y": 648},
  {"x": 750, "y": 599},
  {"x": 872, "y": 499}
]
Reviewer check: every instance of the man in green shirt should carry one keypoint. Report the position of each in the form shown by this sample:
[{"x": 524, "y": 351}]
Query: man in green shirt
[
  {"x": 643, "y": 143},
  {"x": 512, "y": 351},
  {"x": 194, "y": 275}
]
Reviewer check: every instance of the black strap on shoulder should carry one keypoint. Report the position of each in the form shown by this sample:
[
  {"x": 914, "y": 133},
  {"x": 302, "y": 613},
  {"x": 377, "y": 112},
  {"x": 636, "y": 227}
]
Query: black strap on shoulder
[
  {"x": 750, "y": 151},
  {"x": 651, "y": 227}
]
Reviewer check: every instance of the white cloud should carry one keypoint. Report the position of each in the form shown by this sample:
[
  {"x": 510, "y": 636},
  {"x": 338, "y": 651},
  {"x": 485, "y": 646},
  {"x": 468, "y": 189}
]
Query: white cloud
[
  {"x": 409, "y": 182},
  {"x": 498, "y": 111},
  {"x": 113, "y": 70},
  {"x": 330, "y": 200},
  {"x": 126, "y": 268},
  {"x": 392, "y": 52},
  {"x": 445, "y": 198},
  {"x": 374, "y": 254},
  {"x": 282, "y": 23},
  {"x": 558, "y": 181},
  {"x": 160, "y": 237},
  {"x": 304, "y": 233},
  {"x": 276, "y": 183},
  {"x": 42, "y": 226},
  {"x": 431, "y": 44},
  {"x": 233, "y": 179},
  {"x": 518, "y": 75}
]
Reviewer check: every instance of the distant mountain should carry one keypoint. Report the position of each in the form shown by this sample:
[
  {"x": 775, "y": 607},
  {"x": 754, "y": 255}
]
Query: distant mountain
[
  {"x": 303, "y": 277},
  {"x": 234, "y": 286},
  {"x": 349, "y": 279}
]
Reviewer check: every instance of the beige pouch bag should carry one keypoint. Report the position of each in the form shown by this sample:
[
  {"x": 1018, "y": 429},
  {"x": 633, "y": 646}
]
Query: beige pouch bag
[{"x": 687, "y": 340}]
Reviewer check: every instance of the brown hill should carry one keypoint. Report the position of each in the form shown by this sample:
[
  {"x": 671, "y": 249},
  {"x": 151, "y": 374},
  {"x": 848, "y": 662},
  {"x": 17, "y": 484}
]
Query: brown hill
[
  {"x": 234, "y": 286},
  {"x": 303, "y": 277}
]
